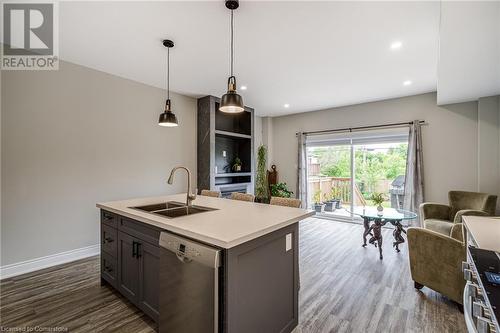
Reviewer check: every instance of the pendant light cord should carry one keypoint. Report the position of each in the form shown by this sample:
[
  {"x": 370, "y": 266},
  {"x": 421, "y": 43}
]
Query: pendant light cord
[
  {"x": 232, "y": 43},
  {"x": 168, "y": 72}
]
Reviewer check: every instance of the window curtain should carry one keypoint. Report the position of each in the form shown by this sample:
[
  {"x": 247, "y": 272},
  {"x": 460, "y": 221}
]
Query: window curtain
[
  {"x": 414, "y": 179},
  {"x": 302, "y": 170}
]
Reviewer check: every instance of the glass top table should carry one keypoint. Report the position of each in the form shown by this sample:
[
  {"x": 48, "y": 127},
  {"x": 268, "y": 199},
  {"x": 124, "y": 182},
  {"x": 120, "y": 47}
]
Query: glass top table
[
  {"x": 386, "y": 214},
  {"x": 373, "y": 221}
]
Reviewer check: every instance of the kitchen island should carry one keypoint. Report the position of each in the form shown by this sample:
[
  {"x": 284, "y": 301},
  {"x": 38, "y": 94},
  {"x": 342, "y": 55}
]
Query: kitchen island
[{"x": 257, "y": 275}]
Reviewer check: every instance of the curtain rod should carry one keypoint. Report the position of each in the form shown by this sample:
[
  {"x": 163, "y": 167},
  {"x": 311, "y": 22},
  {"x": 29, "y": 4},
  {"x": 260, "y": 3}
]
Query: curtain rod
[{"x": 350, "y": 129}]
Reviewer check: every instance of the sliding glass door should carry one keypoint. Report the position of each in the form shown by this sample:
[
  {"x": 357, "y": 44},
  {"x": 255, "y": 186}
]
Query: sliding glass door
[
  {"x": 330, "y": 178},
  {"x": 346, "y": 170}
]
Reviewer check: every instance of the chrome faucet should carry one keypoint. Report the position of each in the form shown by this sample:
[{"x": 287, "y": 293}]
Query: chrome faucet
[{"x": 189, "y": 197}]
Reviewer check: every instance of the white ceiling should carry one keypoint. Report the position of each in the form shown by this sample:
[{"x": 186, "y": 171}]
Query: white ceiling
[
  {"x": 469, "y": 57},
  {"x": 309, "y": 55}
]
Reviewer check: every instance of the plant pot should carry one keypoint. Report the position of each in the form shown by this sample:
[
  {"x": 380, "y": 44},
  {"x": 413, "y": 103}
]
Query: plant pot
[
  {"x": 338, "y": 203},
  {"x": 380, "y": 210},
  {"x": 330, "y": 206},
  {"x": 318, "y": 208},
  {"x": 237, "y": 168}
]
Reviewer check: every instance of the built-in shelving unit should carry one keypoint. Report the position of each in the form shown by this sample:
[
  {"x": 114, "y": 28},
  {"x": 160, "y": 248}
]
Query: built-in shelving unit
[
  {"x": 232, "y": 134},
  {"x": 221, "y": 138}
]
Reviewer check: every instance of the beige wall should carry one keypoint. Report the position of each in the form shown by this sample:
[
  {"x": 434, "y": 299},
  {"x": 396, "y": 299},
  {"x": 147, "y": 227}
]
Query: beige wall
[
  {"x": 73, "y": 137},
  {"x": 450, "y": 139},
  {"x": 257, "y": 133},
  {"x": 489, "y": 145}
]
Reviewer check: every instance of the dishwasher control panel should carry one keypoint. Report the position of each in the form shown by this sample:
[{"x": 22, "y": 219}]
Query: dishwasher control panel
[{"x": 191, "y": 250}]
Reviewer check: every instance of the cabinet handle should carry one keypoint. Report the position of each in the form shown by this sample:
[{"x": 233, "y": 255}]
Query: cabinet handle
[
  {"x": 134, "y": 249},
  {"x": 138, "y": 251},
  {"x": 108, "y": 239},
  {"x": 107, "y": 217},
  {"x": 108, "y": 269}
]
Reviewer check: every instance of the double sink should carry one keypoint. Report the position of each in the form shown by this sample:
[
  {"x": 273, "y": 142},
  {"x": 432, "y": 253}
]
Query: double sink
[{"x": 172, "y": 209}]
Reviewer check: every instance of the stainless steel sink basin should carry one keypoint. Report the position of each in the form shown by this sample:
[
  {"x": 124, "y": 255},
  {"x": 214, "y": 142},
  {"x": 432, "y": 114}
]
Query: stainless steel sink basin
[
  {"x": 183, "y": 211},
  {"x": 160, "y": 206},
  {"x": 172, "y": 209}
]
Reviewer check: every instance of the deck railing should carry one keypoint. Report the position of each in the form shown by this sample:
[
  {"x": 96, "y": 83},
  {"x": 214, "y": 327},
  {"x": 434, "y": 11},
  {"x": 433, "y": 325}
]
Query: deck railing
[{"x": 342, "y": 186}]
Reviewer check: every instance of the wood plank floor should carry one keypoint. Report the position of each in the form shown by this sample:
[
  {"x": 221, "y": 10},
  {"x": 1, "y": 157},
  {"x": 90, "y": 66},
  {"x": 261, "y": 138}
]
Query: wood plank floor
[{"x": 344, "y": 288}]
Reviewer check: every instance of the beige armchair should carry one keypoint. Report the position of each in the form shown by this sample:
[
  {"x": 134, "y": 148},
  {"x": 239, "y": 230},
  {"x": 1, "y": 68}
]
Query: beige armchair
[
  {"x": 436, "y": 260},
  {"x": 441, "y": 218}
]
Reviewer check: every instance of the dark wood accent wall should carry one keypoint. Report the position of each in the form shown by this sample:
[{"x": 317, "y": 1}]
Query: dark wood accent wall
[{"x": 232, "y": 133}]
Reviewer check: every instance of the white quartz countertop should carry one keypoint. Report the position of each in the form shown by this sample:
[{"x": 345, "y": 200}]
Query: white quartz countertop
[
  {"x": 485, "y": 231},
  {"x": 231, "y": 224}
]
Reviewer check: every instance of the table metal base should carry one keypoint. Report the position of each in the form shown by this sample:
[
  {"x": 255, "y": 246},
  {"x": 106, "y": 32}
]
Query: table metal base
[{"x": 375, "y": 231}]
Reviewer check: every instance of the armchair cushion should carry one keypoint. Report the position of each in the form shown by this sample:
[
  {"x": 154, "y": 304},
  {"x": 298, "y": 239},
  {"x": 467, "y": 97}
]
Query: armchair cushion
[
  {"x": 431, "y": 210},
  {"x": 435, "y": 262},
  {"x": 468, "y": 212},
  {"x": 440, "y": 226}
]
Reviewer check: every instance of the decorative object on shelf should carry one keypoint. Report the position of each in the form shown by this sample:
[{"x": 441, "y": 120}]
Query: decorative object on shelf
[
  {"x": 261, "y": 185},
  {"x": 272, "y": 176},
  {"x": 231, "y": 102},
  {"x": 280, "y": 190},
  {"x": 378, "y": 199},
  {"x": 318, "y": 206},
  {"x": 168, "y": 118},
  {"x": 236, "y": 167}
]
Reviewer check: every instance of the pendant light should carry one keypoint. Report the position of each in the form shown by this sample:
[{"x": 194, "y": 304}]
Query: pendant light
[
  {"x": 168, "y": 118},
  {"x": 231, "y": 102}
]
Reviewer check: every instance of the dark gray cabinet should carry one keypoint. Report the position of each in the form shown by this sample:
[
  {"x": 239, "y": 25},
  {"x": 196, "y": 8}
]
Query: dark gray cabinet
[
  {"x": 149, "y": 278},
  {"x": 258, "y": 289},
  {"x": 128, "y": 267},
  {"x": 130, "y": 258}
]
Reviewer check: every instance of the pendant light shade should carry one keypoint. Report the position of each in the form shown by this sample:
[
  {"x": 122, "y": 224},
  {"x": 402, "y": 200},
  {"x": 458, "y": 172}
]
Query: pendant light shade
[
  {"x": 168, "y": 118},
  {"x": 231, "y": 102}
]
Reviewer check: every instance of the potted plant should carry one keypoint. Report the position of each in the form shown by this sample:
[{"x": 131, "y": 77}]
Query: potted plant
[
  {"x": 378, "y": 199},
  {"x": 318, "y": 207},
  {"x": 336, "y": 197},
  {"x": 236, "y": 164},
  {"x": 261, "y": 182},
  {"x": 330, "y": 202},
  {"x": 280, "y": 190}
]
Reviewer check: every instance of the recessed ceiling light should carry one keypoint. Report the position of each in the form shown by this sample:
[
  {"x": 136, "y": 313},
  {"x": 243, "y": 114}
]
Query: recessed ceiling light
[
  {"x": 396, "y": 45},
  {"x": 407, "y": 83},
  {"x": 286, "y": 106},
  {"x": 243, "y": 87}
]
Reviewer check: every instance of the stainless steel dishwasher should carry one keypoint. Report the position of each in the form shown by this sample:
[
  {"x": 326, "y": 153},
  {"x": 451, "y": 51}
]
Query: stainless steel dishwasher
[{"x": 189, "y": 286}]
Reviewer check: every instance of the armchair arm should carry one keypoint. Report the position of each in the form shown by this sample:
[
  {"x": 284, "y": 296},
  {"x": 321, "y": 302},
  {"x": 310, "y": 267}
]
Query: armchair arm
[
  {"x": 430, "y": 210},
  {"x": 436, "y": 261},
  {"x": 457, "y": 232},
  {"x": 468, "y": 212}
]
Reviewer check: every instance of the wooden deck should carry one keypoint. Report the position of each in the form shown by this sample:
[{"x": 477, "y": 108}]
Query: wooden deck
[{"x": 344, "y": 288}]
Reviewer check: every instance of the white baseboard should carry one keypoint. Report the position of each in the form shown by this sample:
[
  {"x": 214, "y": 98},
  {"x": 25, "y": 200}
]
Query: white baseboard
[{"x": 48, "y": 261}]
